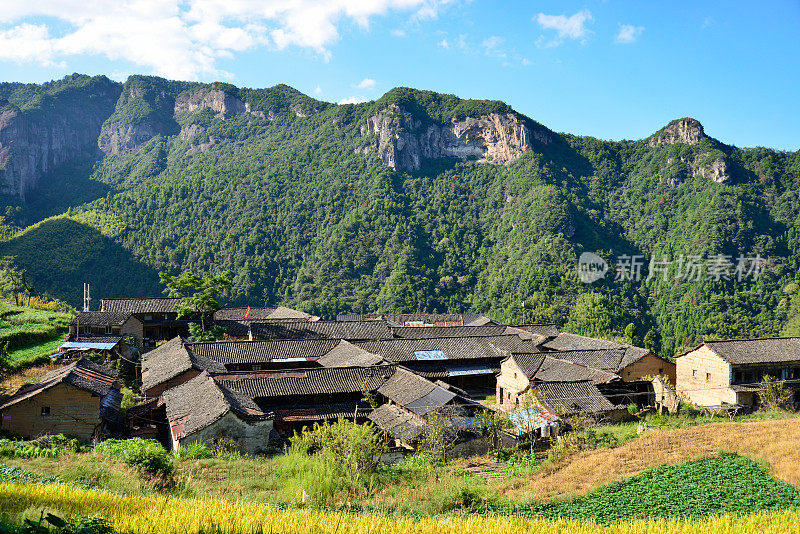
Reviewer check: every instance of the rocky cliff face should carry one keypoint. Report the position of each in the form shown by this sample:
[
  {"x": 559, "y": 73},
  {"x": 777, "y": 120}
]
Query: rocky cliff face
[
  {"x": 36, "y": 141},
  {"x": 403, "y": 141},
  {"x": 223, "y": 104},
  {"x": 686, "y": 131}
]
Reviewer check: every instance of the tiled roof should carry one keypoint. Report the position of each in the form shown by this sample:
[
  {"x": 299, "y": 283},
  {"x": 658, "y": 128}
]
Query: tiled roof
[
  {"x": 240, "y": 352},
  {"x": 236, "y": 314},
  {"x": 545, "y": 330},
  {"x": 414, "y": 392},
  {"x": 316, "y": 412},
  {"x": 463, "y": 348},
  {"x": 146, "y": 305},
  {"x": 422, "y": 319},
  {"x": 567, "y": 398},
  {"x": 352, "y": 331},
  {"x": 100, "y": 318},
  {"x": 573, "y": 342},
  {"x": 402, "y": 425},
  {"x": 606, "y": 359},
  {"x": 748, "y": 351},
  {"x": 446, "y": 370},
  {"x": 546, "y": 367},
  {"x": 82, "y": 374},
  {"x": 319, "y": 381},
  {"x": 170, "y": 360},
  {"x": 345, "y": 354},
  {"x": 201, "y": 401},
  {"x": 415, "y": 332}
]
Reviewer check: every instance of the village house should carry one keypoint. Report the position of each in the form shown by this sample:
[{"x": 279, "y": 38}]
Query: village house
[
  {"x": 422, "y": 319},
  {"x": 468, "y": 363},
  {"x": 151, "y": 319},
  {"x": 171, "y": 365},
  {"x": 271, "y": 330},
  {"x": 559, "y": 386},
  {"x": 203, "y": 409},
  {"x": 728, "y": 373},
  {"x": 281, "y": 313},
  {"x": 80, "y": 400},
  {"x": 629, "y": 362},
  {"x": 263, "y": 355},
  {"x": 101, "y": 324}
]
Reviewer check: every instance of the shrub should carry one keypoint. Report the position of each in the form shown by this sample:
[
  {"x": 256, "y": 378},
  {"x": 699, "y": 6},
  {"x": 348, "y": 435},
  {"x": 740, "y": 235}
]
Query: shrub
[
  {"x": 146, "y": 456},
  {"x": 194, "y": 451},
  {"x": 44, "y": 447}
]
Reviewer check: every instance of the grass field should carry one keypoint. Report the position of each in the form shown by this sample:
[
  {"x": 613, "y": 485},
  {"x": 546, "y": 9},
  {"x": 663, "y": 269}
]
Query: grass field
[
  {"x": 32, "y": 334},
  {"x": 157, "y": 515}
]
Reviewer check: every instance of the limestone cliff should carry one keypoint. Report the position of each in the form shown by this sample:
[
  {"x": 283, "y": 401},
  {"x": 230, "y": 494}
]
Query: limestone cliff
[
  {"x": 404, "y": 141},
  {"x": 218, "y": 101},
  {"x": 709, "y": 164},
  {"x": 59, "y": 128},
  {"x": 687, "y": 131}
]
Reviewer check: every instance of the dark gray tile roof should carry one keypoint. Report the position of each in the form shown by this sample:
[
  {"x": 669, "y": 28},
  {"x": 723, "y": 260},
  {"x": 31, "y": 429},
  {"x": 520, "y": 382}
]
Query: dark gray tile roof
[
  {"x": 629, "y": 354},
  {"x": 170, "y": 360},
  {"x": 100, "y": 318},
  {"x": 606, "y": 359},
  {"x": 82, "y": 374},
  {"x": 566, "y": 398},
  {"x": 245, "y": 352},
  {"x": 444, "y": 319},
  {"x": 201, "y": 401},
  {"x": 415, "y": 332},
  {"x": 545, "y": 330},
  {"x": 317, "y": 412},
  {"x": 547, "y": 367},
  {"x": 463, "y": 348},
  {"x": 414, "y": 392},
  {"x": 352, "y": 331},
  {"x": 237, "y": 314},
  {"x": 146, "y": 305},
  {"x": 447, "y": 370},
  {"x": 345, "y": 354},
  {"x": 749, "y": 351},
  {"x": 402, "y": 425},
  {"x": 318, "y": 381}
]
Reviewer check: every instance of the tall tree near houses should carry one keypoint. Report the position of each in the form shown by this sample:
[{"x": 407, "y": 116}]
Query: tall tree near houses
[{"x": 199, "y": 298}]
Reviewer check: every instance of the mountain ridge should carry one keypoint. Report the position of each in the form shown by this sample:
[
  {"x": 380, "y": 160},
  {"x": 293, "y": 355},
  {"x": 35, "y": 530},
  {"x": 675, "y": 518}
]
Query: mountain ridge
[{"x": 417, "y": 201}]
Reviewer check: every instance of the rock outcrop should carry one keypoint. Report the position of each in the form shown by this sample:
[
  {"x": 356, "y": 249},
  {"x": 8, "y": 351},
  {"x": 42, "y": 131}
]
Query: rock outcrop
[
  {"x": 218, "y": 101},
  {"x": 404, "y": 141},
  {"x": 36, "y": 141},
  {"x": 687, "y": 131}
]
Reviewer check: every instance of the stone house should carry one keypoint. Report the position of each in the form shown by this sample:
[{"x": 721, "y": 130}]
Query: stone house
[
  {"x": 629, "y": 362},
  {"x": 80, "y": 400},
  {"x": 150, "y": 319},
  {"x": 202, "y": 409},
  {"x": 559, "y": 386},
  {"x": 720, "y": 373}
]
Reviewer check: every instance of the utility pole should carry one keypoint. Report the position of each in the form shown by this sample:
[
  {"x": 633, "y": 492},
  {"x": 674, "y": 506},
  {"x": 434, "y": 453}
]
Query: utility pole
[{"x": 86, "y": 298}]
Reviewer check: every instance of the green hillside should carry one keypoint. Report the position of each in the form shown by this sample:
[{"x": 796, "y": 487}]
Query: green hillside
[{"x": 286, "y": 197}]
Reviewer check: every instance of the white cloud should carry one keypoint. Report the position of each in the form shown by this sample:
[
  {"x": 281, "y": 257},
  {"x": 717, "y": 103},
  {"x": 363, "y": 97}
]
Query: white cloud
[
  {"x": 366, "y": 83},
  {"x": 443, "y": 44},
  {"x": 628, "y": 33},
  {"x": 492, "y": 46},
  {"x": 353, "y": 100},
  {"x": 182, "y": 38},
  {"x": 318, "y": 90},
  {"x": 572, "y": 27},
  {"x": 398, "y": 33}
]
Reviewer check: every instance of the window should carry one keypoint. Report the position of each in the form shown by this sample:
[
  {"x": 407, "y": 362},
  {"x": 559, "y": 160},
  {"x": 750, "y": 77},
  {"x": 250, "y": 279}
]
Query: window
[
  {"x": 515, "y": 375},
  {"x": 661, "y": 371},
  {"x": 708, "y": 376},
  {"x": 45, "y": 411},
  {"x": 694, "y": 373},
  {"x": 108, "y": 329}
]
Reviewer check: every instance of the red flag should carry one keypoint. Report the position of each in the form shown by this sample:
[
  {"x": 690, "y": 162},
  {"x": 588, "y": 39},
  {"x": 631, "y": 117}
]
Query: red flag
[{"x": 247, "y": 313}]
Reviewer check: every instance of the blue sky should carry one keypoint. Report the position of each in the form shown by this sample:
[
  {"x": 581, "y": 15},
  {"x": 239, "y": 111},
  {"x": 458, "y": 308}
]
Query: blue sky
[{"x": 610, "y": 69}]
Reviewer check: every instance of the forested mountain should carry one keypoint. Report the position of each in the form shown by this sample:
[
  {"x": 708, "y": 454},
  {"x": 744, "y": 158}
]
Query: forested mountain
[{"x": 416, "y": 201}]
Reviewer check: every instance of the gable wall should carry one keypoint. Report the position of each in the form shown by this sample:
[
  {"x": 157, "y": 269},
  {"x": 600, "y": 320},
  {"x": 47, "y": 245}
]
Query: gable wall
[
  {"x": 73, "y": 412},
  {"x": 252, "y": 436},
  {"x": 509, "y": 386},
  {"x": 651, "y": 365},
  {"x": 699, "y": 390}
]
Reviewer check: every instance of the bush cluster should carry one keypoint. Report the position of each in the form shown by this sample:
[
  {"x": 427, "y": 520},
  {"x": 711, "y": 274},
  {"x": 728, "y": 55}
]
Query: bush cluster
[{"x": 146, "y": 456}]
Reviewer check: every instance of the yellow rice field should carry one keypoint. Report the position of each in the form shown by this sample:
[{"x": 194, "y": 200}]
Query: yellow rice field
[{"x": 157, "y": 515}]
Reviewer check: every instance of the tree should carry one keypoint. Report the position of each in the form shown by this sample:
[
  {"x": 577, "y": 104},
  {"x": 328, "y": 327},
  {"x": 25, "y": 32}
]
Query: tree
[
  {"x": 631, "y": 333},
  {"x": 12, "y": 278},
  {"x": 650, "y": 340},
  {"x": 438, "y": 436},
  {"x": 5, "y": 357},
  {"x": 199, "y": 298},
  {"x": 773, "y": 393}
]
